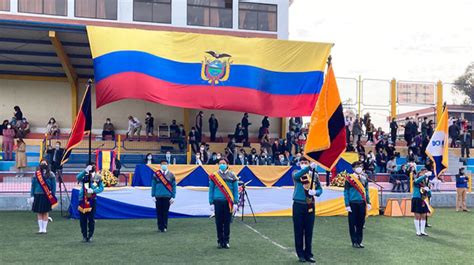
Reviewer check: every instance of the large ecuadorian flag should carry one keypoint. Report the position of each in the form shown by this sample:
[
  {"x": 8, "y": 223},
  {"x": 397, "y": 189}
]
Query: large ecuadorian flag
[
  {"x": 327, "y": 133},
  {"x": 262, "y": 76},
  {"x": 437, "y": 149}
]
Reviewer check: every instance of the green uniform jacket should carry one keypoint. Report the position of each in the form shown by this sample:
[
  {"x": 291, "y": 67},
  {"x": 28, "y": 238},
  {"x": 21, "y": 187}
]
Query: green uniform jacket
[
  {"x": 419, "y": 182},
  {"x": 158, "y": 189},
  {"x": 352, "y": 195},
  {"x": 97, "y": 185},
  {"x": 299, "y": 194},
  {"x": 36, "y": 187},
  {"x": 231, "y": 181}
]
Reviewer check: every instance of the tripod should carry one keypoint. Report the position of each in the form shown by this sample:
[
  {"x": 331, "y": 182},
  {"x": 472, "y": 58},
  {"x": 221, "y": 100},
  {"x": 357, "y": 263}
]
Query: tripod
[
  {"x": 59, "y": 173},
  {"x": 243, "y": 195}
]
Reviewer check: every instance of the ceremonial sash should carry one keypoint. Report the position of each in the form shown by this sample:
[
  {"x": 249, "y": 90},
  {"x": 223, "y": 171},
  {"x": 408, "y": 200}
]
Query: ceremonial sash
[
  {"x": 51, "y": 198},
  {"x": 220, "y": 183},
  {"x": 163, "y": 180},
  {"x": 85, "y": 204},
  {"x": 357, "y": 185}
]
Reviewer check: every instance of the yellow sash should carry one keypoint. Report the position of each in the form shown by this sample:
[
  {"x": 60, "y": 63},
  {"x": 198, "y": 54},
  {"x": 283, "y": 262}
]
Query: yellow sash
[
  {"x": 224, "y": 185},
  {"x": 359, "y": 184}
]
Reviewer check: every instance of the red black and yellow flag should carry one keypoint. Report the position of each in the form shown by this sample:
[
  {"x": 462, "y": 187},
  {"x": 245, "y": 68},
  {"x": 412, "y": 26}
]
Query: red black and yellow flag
[
  {"x": 326, "y": 140},
  {"x": 82, "y": 124}
]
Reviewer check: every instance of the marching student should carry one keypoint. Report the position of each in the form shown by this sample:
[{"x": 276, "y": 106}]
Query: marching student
[
  {"x": 303, "y": 208},
  {"x": 357, "y": 202},
  {"x": 91, "y": 185},
  {"x": 43, "y": 189},
  {"x": 419, "y": 201},
  {"x": 223, "y": 198},
  {"x": 163, "y": 192}
]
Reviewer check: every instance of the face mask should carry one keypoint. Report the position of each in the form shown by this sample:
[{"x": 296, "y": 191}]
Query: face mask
[
  {"x": 461, "y": 173},
  {"x": 222, "y": 167},
  {"x": 43, "y": 166},
  {"x": 428, "y": 174},
  {"x": 164, "y": 167},
  {"x": 149, "y": 157},
  {"x": 202, "y": 148},
  {"x": 303, "y": 166},
  {"x": 9, "y": 126},
  {"x": 168, "y": 155},
  {"x": 57, "y": 146},
  {"x": 198, "y": 157},
  {"x": 218, "y": 157},
  {"x": 358, "y": 170},
  {"x": 282, "y": 159},
  {"x": 214, "y": 157},
  {"x": 361, "y": 159},
  {"x": 108, "y": 122}
]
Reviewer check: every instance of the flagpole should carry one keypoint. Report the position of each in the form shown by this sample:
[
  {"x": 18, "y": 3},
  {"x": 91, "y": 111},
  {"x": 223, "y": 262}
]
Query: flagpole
[{"x": 89, "y": 84}]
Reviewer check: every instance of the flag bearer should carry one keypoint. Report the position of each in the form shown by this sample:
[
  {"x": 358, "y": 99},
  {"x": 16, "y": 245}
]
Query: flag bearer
[
  {"x": 223, "y": 198},
  {"x": 419, "y": 202},
  {"x": 357, "y": 202},
  {"x": 91, "y": 185},
  {"x": 303, "y": 208},
  {"x": 163, "y": 192}
]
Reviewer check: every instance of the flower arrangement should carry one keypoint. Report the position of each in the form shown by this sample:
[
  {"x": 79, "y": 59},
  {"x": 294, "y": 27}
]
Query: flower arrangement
[
  {"x": 108, "y": 178},
  {"x": 340, "y": 179}
]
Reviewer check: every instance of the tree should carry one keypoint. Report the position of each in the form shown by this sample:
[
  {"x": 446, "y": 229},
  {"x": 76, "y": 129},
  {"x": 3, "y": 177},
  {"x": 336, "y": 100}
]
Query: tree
[{"x": 465, "y": 84}]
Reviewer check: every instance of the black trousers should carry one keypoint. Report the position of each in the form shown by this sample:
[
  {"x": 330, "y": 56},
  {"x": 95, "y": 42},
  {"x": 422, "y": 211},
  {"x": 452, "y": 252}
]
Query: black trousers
[
  {"x": 303, "y": 223},
  {"x": 357, "y": 221},
  {"x": 87, "y": 221},
  {"x": 162, "y": 209},
  {"x": 223, "y": 218},
  {"x": 465, "y": 149},
  {"x": 105, "y": 133},
  {"x": 213, "y": 135}
]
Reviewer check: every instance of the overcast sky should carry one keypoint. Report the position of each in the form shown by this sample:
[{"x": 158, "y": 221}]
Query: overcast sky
[{"x": 406, "y": 39}]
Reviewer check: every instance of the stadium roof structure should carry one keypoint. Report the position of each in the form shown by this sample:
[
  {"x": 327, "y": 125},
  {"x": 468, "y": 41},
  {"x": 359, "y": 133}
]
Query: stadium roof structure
[{"x": 44, "y": 50}]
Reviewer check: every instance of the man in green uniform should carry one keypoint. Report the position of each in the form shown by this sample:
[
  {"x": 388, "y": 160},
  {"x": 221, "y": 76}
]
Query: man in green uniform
[
  {"x": 91, "y": 185},
  {"x": 303, "y": 208},
  {"x": 357, "y": 202},
  {"x": 163, "y": 192},
  {"x": 223, "y": 198}
]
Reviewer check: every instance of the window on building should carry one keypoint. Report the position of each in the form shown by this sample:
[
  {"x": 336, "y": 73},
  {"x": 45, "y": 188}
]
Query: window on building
[
  {"x": 254, "y": 16},
  {"x": 210, "y": 13},
  {"x": 102, "y": 9},
  {"x": 4, "y": 5},
  {"x": 47, "y": 7},
  {"x": 158, "y": 11}
]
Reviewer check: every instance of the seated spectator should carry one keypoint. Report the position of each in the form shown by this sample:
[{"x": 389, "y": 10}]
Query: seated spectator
[
  {"x": 435, "y": 182},
  {"x": 231, "y": 144},
  {"x": 265, "y": 159},
  {"x": 229, "y": 155},
  {"x": 108, "y": 129},
  {"x": 412, "y": 156},
  {"x": 301, "y": 140},
  {"x": 392, "y": 165},
  {"x": 400, "y": 179},
  {"x": 198, "y": 160},
  {"x": 3, "y": 126},
  {"x": 360, "y": 148},
  {"x": 265, "y": 143},
  {"x": 52, "y": 128},
  {"x": 252, "y": 158},
  {"x": 192, "y": 137},
  {"x": 203, "y": 154},
  {"x": 381, "y": 160},
  {"x": 411, "y": 167},
  {"x": 296, "y": 160},
  {"x": 241, "y": 159},
  {"x": 281, "y": 161},
  {"x": 134, "y": 128},
  {"x": 288, "y": 156},
  {"x": 17, "y": 114},
  {"x": 213, "y": 159},
  {"x": 390, "y": 149},
  {"x": 370, "y": 164},
  {"x": 149, "y": 159},
  {"x": 181, "y": 140},
  {"x": 23, "y": 128},
  {"x": 169, "y": 159}
]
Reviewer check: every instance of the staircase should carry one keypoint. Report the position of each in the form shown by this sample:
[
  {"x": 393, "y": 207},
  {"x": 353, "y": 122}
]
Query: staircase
[{"x": 454, "y": 164}]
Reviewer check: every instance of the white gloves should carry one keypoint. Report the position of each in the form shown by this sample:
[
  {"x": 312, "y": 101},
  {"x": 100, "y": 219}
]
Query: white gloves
[
  {"x": 153, "y": 199},
  {"x": 369, "y": 207},
  {"x": 312, "y": 192},
  {"x": 211, "y": 208},
  {"x": 348, "y": 208},
  {"x": 171, "y": 200},
  {"x": 90, "y": 191},
  {"x": 426, "y": 189},
  {"x": 30, "y": 200},
  {"x": 235, "y": 209},
  {"x": 88, "y": 168},
  {"x": 313, "y": 165}
]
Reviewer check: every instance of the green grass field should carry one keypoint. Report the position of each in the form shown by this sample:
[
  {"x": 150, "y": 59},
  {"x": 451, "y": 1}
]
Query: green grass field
[{"x": 192, "y": 241}]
